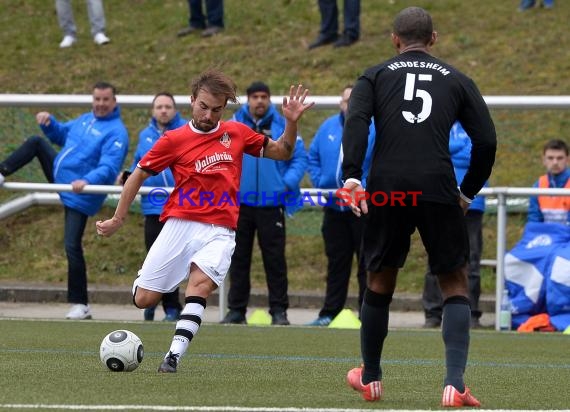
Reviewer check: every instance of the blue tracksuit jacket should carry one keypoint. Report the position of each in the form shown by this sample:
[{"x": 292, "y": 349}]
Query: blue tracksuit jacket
[
  {"x": 460, "y": 151},
  {"x": 147, "y": 138},
  {"x": 325, "y": 164},
  {"x": 93, "y": 149},
  {"x": 267, "y": 182}
]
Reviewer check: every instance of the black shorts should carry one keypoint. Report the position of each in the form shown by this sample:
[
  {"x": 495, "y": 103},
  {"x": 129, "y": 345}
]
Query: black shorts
[{"x": 388, "y": 229}]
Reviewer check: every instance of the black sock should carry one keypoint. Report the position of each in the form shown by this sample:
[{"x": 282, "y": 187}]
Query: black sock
[
  {"x": 374, "y": 316},
  {"x": 455, "y": 332}
]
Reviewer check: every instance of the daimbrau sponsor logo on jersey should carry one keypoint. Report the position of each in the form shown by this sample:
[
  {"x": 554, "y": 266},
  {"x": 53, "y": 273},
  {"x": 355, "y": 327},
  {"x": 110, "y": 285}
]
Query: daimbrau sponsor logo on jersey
[{"x": 208, "y": 162}]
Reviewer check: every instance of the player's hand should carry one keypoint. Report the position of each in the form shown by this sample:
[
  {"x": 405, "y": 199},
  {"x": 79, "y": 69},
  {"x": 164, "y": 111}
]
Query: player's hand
[
  {"x": 78, "y": 185},
  {"x": 464, "y": 205},
  {"x": 294, "y": 106},
  {"x": 358, "y": 203},
  {"x": 108, "y": 227},
  {"x": 43, "y": 118},
  {"x": 122, "y": 177}
]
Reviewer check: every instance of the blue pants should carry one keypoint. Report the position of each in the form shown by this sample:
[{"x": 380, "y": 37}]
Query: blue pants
[
  {"x": 527, "y": 4},
  {"x": 33, "y": 147},
  {"x": 214, "y": 13},
  {"x": 329, "y": 18},
  {"x": 342, "y": 235},
  {"x": 75, "y": 221},
  {"x": 269, "y": 223}
]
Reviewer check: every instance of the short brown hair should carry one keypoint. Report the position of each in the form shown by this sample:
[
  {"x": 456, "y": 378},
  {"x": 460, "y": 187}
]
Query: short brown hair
[
  {"x": 165, "y": 94},
  {"x": 217, "y": 83},
  {"x": 555, "y": 144}
]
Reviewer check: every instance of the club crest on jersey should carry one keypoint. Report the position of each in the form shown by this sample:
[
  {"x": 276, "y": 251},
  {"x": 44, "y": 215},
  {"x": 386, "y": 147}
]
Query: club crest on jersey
[{"x": 226, "y": 140}]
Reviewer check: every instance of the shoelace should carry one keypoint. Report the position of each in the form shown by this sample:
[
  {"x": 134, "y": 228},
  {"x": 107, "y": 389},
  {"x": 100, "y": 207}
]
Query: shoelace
[{"x": 172, "y": 359}]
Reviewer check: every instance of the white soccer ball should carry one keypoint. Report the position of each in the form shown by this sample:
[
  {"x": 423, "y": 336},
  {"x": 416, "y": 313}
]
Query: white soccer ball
[{"x": 121, "y": 351}]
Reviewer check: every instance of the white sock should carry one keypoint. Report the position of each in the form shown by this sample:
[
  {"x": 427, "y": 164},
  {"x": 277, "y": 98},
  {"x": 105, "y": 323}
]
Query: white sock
[{"x": 188, "y": 325}]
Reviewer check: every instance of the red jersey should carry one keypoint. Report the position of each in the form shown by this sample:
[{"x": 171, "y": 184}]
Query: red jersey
[{"x": 207, "y": 170}]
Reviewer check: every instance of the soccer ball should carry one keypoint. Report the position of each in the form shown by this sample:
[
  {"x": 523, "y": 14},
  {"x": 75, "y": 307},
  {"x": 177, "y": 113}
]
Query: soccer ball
[{"x": 121, "y": 351}]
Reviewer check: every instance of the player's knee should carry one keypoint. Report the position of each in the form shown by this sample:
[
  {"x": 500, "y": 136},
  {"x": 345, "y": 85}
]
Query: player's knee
[
  {"x": 143, "y": 299},
  {"x": 137, "y": 302},
  {"x": 144, "y": 302},
  {"x": 454, "y": 283}
]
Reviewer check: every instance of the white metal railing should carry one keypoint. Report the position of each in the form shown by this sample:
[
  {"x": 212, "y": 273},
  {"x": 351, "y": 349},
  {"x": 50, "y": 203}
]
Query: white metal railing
[
  {"x": 321, "y": 102},
  {"x": 134, "y": 101},
  {"x": 501, "y": 193}
]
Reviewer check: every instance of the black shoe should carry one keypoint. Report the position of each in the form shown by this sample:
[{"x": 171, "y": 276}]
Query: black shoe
[
  {"x": 235, "y": 317},
  {"x": 322, "y": 41},
  {"x": 188, "y": 30},
  {"x": 169, "y": 363},
  {"x": 280, "y": 318},
  {"x": 212, "y": 31},
  {"x": 345, "y": 41},
  {"x": 432, "y": 323}
]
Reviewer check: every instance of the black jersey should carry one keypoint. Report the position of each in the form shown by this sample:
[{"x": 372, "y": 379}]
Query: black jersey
[{"x": 414, "y": 100}]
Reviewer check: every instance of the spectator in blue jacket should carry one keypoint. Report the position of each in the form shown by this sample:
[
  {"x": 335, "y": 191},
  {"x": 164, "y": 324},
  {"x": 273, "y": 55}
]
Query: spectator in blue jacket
[
  {"x": 551, "y": 209},
  {"x": 460, "y": 150},
  {"x": 269, "y": 189},
  {"x": 341, "y": 229},
  {"x": 164, "y": 117},
  {"x": 94, "y": 147}
]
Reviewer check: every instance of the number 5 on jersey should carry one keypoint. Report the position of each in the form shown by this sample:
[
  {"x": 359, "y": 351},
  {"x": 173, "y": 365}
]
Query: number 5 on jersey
[{"x": 419, "y": 93}]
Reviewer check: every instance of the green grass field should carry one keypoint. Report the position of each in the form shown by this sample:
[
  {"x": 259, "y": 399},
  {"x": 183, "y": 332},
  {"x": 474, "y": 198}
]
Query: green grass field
[
  {"x": 44, "y": 364},
  {"x": 57, "y": 363},
  {"x": 504, "y": 51}
]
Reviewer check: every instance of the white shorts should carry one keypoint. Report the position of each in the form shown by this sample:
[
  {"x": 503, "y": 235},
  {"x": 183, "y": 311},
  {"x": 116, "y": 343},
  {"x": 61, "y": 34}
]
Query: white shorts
[{"x": 183, "y": 242}]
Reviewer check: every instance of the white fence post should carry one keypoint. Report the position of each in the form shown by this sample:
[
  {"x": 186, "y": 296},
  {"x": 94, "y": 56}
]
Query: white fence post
[{"x": 501, "y": 250}]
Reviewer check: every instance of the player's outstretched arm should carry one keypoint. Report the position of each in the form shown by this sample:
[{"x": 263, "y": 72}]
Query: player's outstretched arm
[
  {"x": 132, "y": 186},
  {"x": 293, "y": 108}
]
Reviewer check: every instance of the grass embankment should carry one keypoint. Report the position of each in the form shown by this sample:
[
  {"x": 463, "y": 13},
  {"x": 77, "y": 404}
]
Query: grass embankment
[{"x": 505, "y": 52}]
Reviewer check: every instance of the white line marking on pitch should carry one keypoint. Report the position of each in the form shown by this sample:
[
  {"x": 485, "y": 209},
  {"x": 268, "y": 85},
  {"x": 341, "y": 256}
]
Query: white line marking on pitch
[{"x": 221, "y": 408}]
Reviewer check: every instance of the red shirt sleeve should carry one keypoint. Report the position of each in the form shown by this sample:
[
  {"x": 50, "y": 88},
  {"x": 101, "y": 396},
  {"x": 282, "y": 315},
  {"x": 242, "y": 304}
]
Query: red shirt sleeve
[
  {"x": 160, "y": 156},
  {"x": 254, "y": 142}
]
